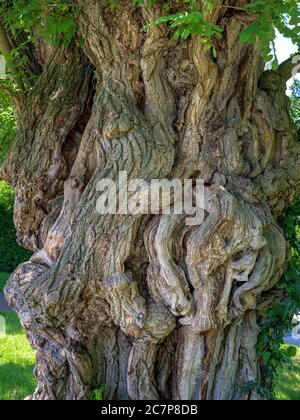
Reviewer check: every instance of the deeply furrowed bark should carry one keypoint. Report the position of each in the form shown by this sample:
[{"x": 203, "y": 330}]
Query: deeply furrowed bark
[{"x": 146, "y": 305}]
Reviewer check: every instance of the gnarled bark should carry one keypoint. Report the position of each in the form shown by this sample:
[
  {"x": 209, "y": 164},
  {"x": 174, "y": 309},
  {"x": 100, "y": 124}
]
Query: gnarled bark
[{"x": 146, "y": 305}]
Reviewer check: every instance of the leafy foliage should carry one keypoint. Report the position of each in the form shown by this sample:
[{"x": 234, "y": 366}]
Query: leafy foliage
[
  {"x": 97, "y": 394},
  {"x": 3, "y": 280},
  {"x": 253, "y": 386},
  {"x": 7, "y": 124},
  {"x": 270, "y": 15},
  {"x": 295, "y": 99},
  {"x": 191, "y": 22},
  {"x": 278, "y": 320},
  {"x": 54, "y": 20},
  {"x": 10, "y": 253}
]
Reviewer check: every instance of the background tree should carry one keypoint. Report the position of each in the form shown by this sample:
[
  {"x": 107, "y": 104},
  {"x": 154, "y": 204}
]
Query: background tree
[{"x": 144, "y": 304}]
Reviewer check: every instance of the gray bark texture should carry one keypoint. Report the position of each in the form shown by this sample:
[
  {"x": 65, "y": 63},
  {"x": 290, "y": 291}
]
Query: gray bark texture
[{"x": 145, "y": 305}]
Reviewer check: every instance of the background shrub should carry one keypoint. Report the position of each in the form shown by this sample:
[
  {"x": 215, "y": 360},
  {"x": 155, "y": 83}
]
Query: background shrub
[
  {"x": 11, "y": 254},
  {"x": 7, "y": 125}
]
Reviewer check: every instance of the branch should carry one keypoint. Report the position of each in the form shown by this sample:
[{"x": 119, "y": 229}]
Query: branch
[{"x": 290, "y": 67}]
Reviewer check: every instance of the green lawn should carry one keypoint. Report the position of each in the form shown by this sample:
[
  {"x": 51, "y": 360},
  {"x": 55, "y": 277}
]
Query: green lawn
[
  {"x": 287, "y": 385},
  {"x": 3, "y": 279},
  {"x": 17, "y": 362}
]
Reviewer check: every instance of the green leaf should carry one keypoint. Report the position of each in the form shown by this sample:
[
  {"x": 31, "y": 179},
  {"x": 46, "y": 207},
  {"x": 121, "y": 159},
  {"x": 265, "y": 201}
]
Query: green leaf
[{"x": 292, "y": 351}]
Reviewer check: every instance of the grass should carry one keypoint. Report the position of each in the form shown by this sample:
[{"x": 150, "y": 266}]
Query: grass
[
  {"x": 287, "y": 385},
  {"x": 17, "y": 361},
  {"x": 3, "y": 279}
]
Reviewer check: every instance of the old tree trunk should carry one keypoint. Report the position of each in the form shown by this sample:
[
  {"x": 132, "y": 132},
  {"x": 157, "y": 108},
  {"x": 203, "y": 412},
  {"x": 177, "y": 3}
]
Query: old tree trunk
[{"x": 146, "y": 305}]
